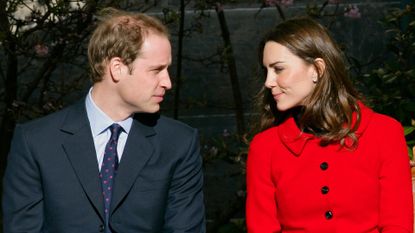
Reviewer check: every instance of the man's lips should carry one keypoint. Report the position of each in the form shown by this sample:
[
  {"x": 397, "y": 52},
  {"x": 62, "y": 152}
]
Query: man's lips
[{"x": 159, "y": 97}]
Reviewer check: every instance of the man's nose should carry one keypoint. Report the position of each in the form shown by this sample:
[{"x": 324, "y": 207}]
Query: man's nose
[{"x": 166, "y": 81}]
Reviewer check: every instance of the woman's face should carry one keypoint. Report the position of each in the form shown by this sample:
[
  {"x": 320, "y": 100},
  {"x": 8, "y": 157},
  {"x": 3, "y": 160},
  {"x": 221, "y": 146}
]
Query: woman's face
[{"x": 289, "y": 78}]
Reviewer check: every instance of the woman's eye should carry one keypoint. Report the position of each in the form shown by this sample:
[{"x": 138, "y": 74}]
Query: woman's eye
[{"x": 277, "y": 69}]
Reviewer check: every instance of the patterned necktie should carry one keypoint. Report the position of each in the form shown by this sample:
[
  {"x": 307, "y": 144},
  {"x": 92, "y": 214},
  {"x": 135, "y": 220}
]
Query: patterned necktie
[{"x": 109, "y": 165}]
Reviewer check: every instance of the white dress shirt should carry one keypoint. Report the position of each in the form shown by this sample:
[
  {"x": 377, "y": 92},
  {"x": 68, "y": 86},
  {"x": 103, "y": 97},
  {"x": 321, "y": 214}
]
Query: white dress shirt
[{"x": 99, "y": 122}]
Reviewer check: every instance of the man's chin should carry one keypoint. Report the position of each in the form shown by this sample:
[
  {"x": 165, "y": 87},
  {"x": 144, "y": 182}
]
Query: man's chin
[{"x": 153, "y": 109}]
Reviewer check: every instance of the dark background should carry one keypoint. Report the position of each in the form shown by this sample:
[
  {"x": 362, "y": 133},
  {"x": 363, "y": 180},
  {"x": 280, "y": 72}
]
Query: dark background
[{"x": 43, "y": 68}]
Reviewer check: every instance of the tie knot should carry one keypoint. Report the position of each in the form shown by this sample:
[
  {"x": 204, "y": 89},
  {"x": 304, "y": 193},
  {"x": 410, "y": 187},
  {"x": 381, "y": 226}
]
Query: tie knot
[{"x": 115, "y": 131}]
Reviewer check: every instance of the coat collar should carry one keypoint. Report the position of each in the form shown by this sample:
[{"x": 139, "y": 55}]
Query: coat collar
[
  {"x": 80, "y": 151},
  {"x": 295, "y": 140},
  {"x": 138, "y": 150}
]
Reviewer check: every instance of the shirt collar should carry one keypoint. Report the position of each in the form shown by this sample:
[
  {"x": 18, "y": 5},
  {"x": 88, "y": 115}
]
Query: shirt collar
[{"x": 100, "y": 121}]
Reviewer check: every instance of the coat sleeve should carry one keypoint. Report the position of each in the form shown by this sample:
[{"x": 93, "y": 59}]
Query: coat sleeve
[
  {"x": 396, "y": 201},
  {"x": 261, "y": 211},
  {"x": 22, "y": 189},
  {"x": 185, "y": 211}
]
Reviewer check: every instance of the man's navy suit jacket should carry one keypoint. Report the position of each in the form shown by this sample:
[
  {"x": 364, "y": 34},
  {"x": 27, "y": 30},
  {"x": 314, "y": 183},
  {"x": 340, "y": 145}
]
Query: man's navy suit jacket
[{"x": 51, "y": 183}]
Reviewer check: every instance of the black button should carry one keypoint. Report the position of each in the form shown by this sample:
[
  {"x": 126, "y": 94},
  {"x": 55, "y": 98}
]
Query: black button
[
  {"x": 101, "y": 228},
  {"x": 324, "y": 166},
  {"x": 324, "y": 190},
  {"x": 328, "y": 215}
]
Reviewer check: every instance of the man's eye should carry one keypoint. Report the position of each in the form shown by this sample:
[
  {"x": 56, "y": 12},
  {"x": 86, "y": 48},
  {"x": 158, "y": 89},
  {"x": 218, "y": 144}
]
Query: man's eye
[{"x": 158, "y": 69}]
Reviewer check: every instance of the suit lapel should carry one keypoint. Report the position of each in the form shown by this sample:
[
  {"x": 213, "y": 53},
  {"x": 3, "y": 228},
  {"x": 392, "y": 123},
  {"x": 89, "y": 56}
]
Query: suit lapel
[
  {"x": 137, "y": 152},
  {"x": 80, "y": 150}
]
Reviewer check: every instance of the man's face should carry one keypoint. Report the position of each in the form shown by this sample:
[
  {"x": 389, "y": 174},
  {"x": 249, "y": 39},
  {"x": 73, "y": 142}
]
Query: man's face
[{"x": 143, "y": 89}]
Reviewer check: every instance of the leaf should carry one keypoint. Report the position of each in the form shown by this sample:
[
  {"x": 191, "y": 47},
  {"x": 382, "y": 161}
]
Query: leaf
[
  {"x": 408, "y": 130},
  {"x": 410, "y": 152}
]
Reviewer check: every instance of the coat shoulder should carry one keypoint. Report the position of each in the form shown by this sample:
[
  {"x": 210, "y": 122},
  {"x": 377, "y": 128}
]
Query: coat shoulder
[
  {"x": 265, "y": 137},
  {"x": 383, "y": 123}
]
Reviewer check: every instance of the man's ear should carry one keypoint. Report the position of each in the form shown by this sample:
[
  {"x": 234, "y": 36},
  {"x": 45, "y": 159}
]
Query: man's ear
[
  {"x": 320, "y": 65},
  {"x": 117, "y": 68}
]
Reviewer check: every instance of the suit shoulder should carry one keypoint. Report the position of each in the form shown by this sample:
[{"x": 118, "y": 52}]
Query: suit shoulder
[
  {"x": 176, "y": 135},
  {"x": 46, "y": 121},
  {"x": 174, "y": 125},
  {"x": 45, "y": 124}
]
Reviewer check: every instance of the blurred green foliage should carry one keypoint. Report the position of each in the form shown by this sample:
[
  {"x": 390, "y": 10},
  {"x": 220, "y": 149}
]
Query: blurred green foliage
[
  {"x": 410, "y": 134},
  {"x": 390, "y": 88}
]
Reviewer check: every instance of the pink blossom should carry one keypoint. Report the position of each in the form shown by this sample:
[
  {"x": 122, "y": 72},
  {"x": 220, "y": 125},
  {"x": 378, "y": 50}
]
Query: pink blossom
[
  {"x": 214, "y": 150},
  {"x": 271, "y": 2},
  {"x": 41, "y": 50},
  {"x": 286, "y": 2},
  {"x": 226, "y": 133},
  {"x": 352, "y": 11},
  {"x": 219, "y": 7}
]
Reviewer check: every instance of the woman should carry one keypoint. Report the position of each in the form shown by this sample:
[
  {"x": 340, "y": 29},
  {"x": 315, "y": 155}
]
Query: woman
[{"x": 324, "y": 162}]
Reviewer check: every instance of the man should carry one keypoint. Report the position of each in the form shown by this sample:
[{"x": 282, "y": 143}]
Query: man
[{"x": 109, "y": 163}]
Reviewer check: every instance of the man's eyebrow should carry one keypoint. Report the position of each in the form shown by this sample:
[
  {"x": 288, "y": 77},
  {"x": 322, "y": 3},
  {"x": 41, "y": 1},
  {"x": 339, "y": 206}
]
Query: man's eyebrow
[{"x": 161, "y": 66}]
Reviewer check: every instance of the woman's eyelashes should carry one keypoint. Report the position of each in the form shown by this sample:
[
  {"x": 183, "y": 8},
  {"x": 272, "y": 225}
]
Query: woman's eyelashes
[{"x": 277, "y": 69}]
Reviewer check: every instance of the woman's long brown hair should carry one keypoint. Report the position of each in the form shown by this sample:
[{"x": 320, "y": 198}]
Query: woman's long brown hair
[{"x": 328, "y": 112}]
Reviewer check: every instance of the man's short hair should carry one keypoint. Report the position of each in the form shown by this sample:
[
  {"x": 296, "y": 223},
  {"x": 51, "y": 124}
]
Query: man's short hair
[{"x": 119, "y": 34}]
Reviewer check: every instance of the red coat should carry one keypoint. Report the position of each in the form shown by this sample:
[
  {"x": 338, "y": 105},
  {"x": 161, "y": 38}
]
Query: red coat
[{"x": 295, "y": 185}]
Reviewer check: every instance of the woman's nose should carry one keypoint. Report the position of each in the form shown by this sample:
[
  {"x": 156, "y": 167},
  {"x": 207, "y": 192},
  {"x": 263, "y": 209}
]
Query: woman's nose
[{"x": 271, "y": 80}]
